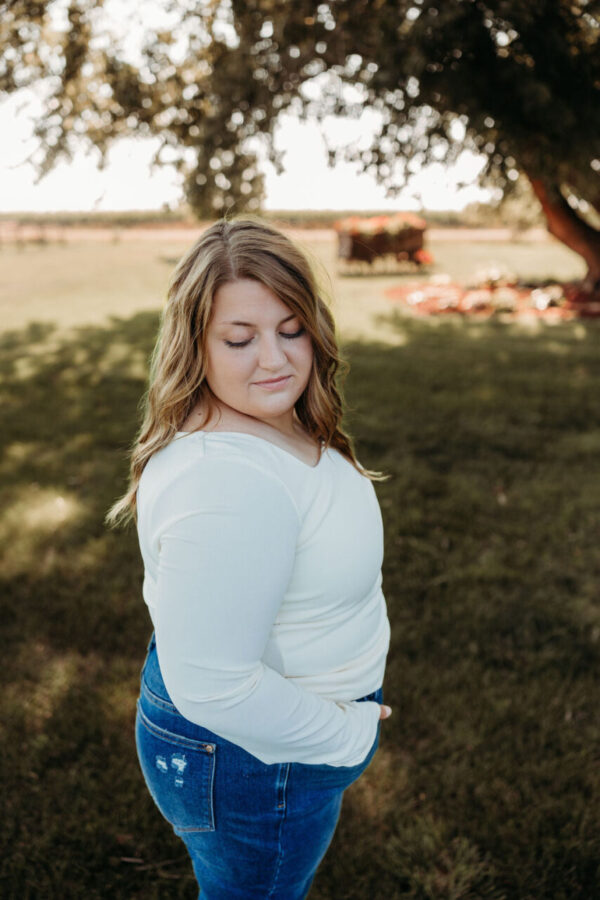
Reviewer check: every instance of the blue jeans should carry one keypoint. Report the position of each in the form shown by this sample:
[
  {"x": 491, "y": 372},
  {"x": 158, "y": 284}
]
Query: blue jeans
[{"x": 254, "y": 831}]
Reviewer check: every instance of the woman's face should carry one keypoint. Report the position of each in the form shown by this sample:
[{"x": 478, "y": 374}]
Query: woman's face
[{"x": 259, "y": 357}]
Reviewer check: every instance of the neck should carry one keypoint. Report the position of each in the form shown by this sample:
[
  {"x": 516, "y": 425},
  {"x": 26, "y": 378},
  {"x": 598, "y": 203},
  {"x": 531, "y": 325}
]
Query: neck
[{"x": 286, "y": 424}]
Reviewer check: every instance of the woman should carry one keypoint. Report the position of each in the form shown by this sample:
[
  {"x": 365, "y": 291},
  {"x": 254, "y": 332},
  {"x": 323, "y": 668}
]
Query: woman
[{"x": 261, "y": 537}]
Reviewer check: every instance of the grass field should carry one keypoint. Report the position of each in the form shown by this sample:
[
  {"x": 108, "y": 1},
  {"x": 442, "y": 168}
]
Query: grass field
[{"x": 486, "y": 781}]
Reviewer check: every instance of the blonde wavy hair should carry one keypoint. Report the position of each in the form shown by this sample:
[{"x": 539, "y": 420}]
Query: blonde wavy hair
[{"x": 229, "y": 250}]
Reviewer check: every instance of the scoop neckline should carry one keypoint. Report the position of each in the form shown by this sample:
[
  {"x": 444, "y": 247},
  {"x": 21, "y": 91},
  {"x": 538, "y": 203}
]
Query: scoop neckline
[{"x": 256, "y": 437}]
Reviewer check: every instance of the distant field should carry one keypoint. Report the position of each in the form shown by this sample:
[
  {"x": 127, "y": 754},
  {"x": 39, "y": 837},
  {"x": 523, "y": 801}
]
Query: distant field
[
  {"x": 480, "y": 215},
  {"x": 85, "y": 280}
]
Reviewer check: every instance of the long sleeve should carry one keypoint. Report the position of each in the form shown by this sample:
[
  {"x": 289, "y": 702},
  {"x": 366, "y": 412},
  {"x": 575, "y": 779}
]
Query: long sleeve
[{"x": 227, "y": 549}]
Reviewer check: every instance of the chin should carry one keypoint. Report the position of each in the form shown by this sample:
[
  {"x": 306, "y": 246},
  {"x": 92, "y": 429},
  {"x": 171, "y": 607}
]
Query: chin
[{"x": 270, "y": 410}]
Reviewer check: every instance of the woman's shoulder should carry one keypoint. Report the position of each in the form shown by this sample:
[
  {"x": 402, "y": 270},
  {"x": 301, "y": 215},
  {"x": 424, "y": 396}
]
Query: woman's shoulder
[
  {"x": 193, "y": 476},
  {"x": 197, "y": 470}
]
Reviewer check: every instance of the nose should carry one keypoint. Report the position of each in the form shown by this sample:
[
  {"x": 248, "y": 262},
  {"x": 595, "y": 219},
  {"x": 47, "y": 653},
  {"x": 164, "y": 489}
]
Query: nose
[{"x": 271, "y": 356}]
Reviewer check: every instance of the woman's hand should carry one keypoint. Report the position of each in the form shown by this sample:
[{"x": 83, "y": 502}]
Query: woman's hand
[{"x": 385, "y": 712}]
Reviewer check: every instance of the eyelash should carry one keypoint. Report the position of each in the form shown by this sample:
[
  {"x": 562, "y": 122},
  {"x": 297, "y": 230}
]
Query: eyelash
[{"x": 288, "y": 337}]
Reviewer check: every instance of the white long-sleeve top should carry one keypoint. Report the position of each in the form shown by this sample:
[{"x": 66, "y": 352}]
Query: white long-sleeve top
[{"x": 262, "y": 576}]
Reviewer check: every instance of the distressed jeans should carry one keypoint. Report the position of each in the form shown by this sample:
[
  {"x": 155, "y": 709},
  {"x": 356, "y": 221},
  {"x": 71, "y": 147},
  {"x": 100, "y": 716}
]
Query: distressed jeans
[{"x": 253, "y": 831}]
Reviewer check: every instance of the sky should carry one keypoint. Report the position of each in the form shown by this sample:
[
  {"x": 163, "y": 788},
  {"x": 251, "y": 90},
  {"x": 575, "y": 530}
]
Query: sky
[{"x": 126, "y": 182}]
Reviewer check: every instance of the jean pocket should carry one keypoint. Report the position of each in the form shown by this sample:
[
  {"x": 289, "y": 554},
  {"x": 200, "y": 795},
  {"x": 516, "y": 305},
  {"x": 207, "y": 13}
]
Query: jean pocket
[{"x": 179, "y": 773}]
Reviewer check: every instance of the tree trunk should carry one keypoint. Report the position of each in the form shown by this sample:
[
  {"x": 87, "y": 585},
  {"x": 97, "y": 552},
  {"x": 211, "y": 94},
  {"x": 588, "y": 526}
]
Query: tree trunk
[{"x": 568, "y": 227}]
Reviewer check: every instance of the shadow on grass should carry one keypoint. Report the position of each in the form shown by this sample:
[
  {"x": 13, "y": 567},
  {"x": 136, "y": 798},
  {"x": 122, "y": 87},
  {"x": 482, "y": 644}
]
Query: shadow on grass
[{"x": 482, "y": 785}]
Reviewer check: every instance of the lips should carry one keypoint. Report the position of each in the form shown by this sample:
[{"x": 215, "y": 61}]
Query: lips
[{"x": 274, "y": 380}]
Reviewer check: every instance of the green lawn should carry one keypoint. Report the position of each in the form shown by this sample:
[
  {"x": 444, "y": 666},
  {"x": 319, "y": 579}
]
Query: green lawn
[{"x": 486, "y": 781}]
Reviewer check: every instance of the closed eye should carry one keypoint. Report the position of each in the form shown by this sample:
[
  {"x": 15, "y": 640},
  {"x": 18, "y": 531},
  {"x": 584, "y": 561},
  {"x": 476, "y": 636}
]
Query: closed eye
[
  {"x": 284, "y": 334},
  {"x": 238, "y": 343}
]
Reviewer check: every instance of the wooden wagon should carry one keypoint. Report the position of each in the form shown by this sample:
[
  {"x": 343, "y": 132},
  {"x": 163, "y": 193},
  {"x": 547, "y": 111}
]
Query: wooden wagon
[{"x": 399, "y": 236}]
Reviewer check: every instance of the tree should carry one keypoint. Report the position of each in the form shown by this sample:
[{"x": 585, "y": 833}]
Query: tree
[{"x": 518, "y": 82}]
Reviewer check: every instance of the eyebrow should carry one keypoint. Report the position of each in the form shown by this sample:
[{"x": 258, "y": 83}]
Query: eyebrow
[{"x": 251, "y": 324}]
